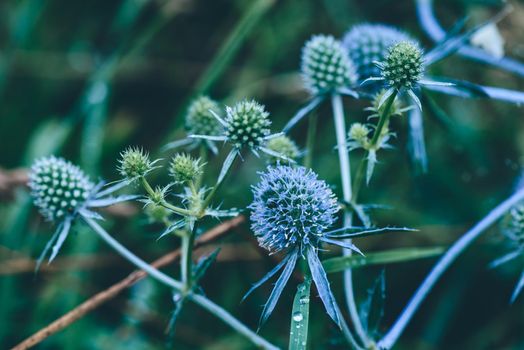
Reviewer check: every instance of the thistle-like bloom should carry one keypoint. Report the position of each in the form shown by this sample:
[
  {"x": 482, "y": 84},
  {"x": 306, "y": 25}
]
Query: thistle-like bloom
[
  {"x": 199, "y": 120},
  {"x": 513, "y": 229},
  {"x": 368, "y": 43},
  {"x": 293, "y": 212},
  {"x": 62, "y": 191},
  {"x": 326, "y": 66},
  {"x": 246, "y": 125}
]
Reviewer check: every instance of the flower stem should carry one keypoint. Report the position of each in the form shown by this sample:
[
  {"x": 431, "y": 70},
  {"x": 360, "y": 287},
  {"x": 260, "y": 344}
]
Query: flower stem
[
  {"x": 173, "y": 208},
  {"x": 201, "y": 300},
  {"x": 451, "y": 255},
  {"x": 186, "y": 266},
  {"x": 345, "y": 174},
  {"x": 382, "y": 122},
  {"x": 310, "y": 141}
]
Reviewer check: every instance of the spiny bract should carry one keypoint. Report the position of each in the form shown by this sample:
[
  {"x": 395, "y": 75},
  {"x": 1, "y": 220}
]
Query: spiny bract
[
  {"x": 326, "y": 65},
  {"x": 199, "y": 119},
  {"x": 282, "y": 145},
  {"x": 291, "y": 207},
  {"x": 58, "y": 187},
  {"x": 403, "y": 65},
  {"x": 368, "y": 43},
  {"x": 247, "y": 124}
]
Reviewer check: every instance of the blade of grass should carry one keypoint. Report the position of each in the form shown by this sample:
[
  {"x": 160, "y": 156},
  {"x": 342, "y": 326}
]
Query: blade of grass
[
  {"x": 300, "y": 316},
  {"x": 342, "y": 263}
]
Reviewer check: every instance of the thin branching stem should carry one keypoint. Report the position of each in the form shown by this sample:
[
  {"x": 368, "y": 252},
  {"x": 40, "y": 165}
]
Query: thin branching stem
[
  {"x": 200, "y": 300},
  {"x": 442, "y": 265},
  {"x": 345, "y": 174},
  {"x": 173, "y": 208}
]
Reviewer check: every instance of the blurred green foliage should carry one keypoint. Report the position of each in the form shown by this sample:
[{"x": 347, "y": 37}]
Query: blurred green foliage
[{"x": 86, "y": 79}]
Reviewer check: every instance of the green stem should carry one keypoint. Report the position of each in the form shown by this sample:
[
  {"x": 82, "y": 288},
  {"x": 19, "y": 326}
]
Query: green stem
[
  {"x": 186, "y": 266},
  {"x": 203, "y": 159},
  {"x": 207, "y": 304},
  {"x": 151, "y": 192},
  {"x": 383, "y": 121},
  {"x": 345, "y": 174},
  {"x": 310, "y": 142}
]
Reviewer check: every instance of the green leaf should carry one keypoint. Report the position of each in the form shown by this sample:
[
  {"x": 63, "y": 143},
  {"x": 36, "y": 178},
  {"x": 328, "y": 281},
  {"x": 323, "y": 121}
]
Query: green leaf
[
  {"x": 386, "y": 257},
  {"x": 300, "y": 316}
]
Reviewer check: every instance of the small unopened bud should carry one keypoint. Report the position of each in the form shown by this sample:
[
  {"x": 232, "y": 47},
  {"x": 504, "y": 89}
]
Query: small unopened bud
[
  {"x": 184, "y": 168},
  {"x": 284, "y": 146},
  {"x": 134, "y": 163},
  {"x": 200, "y": 120}
]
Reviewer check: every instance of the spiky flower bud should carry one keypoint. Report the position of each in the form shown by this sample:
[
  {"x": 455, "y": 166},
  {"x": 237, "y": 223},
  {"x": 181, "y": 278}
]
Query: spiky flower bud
[
  {"x": 156, "y": 213},
  {"x": 200, "y": 121},
  {"x": 326, "y": 65},
  {"x": 183, "y": 168},
  {"x": 58, "y": 187},
  {"x": 368, "y": 43},
  {"x": 284, "y": 146},
  {"x": 291, "y": 207},
  {"x": 514, "y": 224},
  {"x": 247, "y": 124},
  {"x": 359, "y": 133},
  {"x": 134, "y": 163},
  {"x": 403, "y": 65}
]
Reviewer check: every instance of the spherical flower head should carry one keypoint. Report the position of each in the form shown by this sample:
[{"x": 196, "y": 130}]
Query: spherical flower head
[
  {"x": 326, "y": 65},
  {"x": 199, "y": 119},
  {"x": 359, "y": 133},
  {"x": 184, "y": 168},
  {"x": 403, "y": 66},
  {"x": 368, "y": 43},
  {"x": 58, "y": 187},
  {"x": 247, "y": 124},
  {"x": 134, "y": 163},
  {"x": 291, "y": 207},
  {"x": 284, "y": 146}
]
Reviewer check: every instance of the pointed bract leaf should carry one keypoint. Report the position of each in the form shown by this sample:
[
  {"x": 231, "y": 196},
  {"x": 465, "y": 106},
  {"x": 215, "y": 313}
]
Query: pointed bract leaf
[
  {"x": 203, "y": 264},
  {"x": 279, "y": 287},
  {"x": 302, "y": 112},
  {"x": 270, "y": 274},
  {"x": 321, "y": 282},
  {"x": 518, "y": 288},
  {"x": 64, "y": 231},
  {"x": 505, "y": 258},
  {"x": 227, "y": 164},
  {"x": 300, "y": 316}
]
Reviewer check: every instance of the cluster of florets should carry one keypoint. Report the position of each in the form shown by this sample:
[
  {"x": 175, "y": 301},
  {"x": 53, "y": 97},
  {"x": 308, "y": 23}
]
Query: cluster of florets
[
  {"x": 247, "y": 124},
  {"x": 403, "y": 66},
  {"x": 369, "y": 43},
  {"x": 58, "y": 187},
  {"x": 200, "y": 119},
  {"x": 326, "y": 65},
  {"x": 134, "y": 163},
  {"x": 515, "y": 224},
  {"x": 291, "y": 207},
  {"x": 284, "y": 146},
  {"x": 358, "y": 136},
  {"x": 184, "y": 169}
]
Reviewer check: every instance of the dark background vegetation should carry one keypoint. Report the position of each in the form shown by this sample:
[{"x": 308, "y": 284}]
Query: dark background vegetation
[{"x": 85, "y": 79}]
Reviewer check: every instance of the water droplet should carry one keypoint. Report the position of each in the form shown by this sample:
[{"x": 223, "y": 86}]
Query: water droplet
[
  {"x": 177, "y": 297},
  {"x": 298, "y": 317},
  {"x": 304, "y": 300}
]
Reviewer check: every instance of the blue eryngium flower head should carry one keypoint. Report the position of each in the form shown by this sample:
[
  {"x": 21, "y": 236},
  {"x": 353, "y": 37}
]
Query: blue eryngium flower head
[
  {"x": 326, "y": 67},
  {"x": 62, "y": 192},
  {"x": 291, "y": 208},
  {"x": 368, "y": 43},
  {"x": 292, "y": 212}
]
